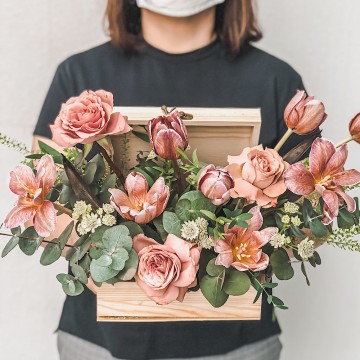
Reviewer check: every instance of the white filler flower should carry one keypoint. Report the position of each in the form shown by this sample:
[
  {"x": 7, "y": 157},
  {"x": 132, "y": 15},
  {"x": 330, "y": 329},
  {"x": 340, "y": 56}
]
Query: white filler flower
[{"x": 306, "y": 249}]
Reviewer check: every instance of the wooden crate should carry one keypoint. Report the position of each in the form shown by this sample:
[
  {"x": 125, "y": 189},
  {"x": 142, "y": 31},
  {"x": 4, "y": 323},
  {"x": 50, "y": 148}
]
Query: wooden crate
[
  {"x": 214, "y": 132},
  {"x": 126, "y": 302}
]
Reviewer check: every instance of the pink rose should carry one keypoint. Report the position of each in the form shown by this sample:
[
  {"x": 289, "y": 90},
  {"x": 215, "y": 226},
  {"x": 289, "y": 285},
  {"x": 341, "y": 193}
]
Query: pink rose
[
  {"x": 166, "y": 271},
  {"x": 88, "y": 118},
  {"x": 215, "y": 184},
  {"x": 258, "y": 175}
]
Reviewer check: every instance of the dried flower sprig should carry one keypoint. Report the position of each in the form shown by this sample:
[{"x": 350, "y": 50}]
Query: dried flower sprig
[
  {"x": 14, "y": 144},
  {"x": 345, "y": 238}
]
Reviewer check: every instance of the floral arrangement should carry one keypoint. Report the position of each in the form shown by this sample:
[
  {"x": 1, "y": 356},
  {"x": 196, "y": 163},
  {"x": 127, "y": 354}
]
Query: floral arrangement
[{"x": 173, "y": 223}]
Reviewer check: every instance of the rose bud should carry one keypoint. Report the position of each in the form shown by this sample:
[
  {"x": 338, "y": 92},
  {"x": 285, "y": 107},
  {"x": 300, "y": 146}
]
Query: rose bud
[
  {"x": 215, "y": 184},
  {"x": 354, "y": 128},
  {"x": 304, "y": 114},
  {"x": 167, "y": 133}
]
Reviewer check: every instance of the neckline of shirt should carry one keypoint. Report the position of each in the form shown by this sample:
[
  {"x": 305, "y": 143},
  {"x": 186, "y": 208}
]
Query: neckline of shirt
[{"x": 194, "y": 55}]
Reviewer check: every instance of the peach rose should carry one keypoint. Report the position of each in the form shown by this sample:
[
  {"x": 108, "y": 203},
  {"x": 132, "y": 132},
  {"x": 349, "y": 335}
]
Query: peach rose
[
  {"x": 166, "y": 271},
  {"x": 88, "y": 118},
  {"x": 258, "y": 175}
]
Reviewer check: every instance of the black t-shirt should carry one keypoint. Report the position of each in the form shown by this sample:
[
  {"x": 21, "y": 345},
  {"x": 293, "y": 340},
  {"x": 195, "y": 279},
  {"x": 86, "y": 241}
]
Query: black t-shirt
[{"x": 207, "y": 77}]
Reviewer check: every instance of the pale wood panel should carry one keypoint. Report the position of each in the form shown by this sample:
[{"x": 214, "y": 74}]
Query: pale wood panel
[
  {"x": 214, "y": 132},
  {"x": 126, "y": 302}
]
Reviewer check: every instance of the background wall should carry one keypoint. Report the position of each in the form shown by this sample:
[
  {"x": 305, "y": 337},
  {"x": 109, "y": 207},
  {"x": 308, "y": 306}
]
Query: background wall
[{"x": 319, "y": 39}]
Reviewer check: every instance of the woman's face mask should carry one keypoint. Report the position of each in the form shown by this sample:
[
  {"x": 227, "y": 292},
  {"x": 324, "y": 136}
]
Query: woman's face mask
[{"x": 177, "y": 8}]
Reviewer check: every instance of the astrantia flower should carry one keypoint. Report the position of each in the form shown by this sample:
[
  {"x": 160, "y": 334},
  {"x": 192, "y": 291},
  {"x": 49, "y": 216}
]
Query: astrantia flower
[
  {"x": 291, "y": 208},
  {"x": 108, "y": 220},
  {"x": 80, "y": 209},
  {"x": 108, "y": 209},
  {"x": 241, "y": 248},
  {"x": 189, "y": 230},
  {"x": 89, "y": 223},
  {"x": 326, "y": 175},
  {"x": 295, "y": 220},
  {"x": 306, "y": 249},
  {"x": 32, "y": 191},
  {"x": 278, "y": 240}
]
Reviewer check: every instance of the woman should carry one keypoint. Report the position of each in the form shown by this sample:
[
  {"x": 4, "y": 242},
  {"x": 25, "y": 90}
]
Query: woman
[{"x": 193, "y": 53}]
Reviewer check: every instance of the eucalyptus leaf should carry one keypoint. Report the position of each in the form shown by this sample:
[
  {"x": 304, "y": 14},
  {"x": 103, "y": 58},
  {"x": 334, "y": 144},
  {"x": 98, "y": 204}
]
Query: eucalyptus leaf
[
  {"x": 89, "y": 174},
  {"x": 211, "y": 288},
  {"x": 100, "y": 272},
  {"x": 118, "y": 259},
  {"x": 129, "y": 271},
  {"x": 73, "y": 288},
  {"x": 214, "y": 270},
  {"x": 30, "y": 241},
  {"x": 134, "y": 228},
  {"x": 117, "y": 237},
  {"x": 172, "y": 223},
  {"x": 236, "y": 282},
  {"x": 51, "y": 253},
  {"x": 79, "y": 273},
  {"x": 280, "y": 263},
  {"x": 65, "y": 235},
  {"x": 182, "y": 209},
  {"x": 11, "y": 244},
  {"x": 318, "y": 228}
]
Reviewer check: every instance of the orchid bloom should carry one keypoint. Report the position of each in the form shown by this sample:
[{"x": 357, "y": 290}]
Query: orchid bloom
[
  {"x": 326, "y": 175},
  {"x": 32, "y": 191},
  {"x": 141, "y": 204},
  {"x": 241, "y": 248}
]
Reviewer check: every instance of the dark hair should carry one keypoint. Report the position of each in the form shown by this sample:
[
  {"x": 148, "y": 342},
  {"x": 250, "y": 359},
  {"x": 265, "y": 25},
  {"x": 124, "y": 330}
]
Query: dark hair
[{"x": 235, "y": 24}]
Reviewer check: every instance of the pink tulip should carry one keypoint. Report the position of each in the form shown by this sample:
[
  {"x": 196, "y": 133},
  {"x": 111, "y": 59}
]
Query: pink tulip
[
  {"x": 32, "y": 191},
  {"x": 166, "y": 271},
  {"x": 354, "y": 128},
  {"x": 304, "y": 114},
  {"x": 141, "y": 204},
  {"x": 326, "y": 175},
  {"x": 215, "y": 184},
  {"x": 167, "y": 133},
  {"x": 88, "y": 118},
  {"x": 241, "y": 248}
]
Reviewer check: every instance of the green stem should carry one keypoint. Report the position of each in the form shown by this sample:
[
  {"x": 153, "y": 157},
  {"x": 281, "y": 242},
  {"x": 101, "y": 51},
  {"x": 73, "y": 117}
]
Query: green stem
[
  {"x": 345, "y": 141},
  {"x": 180, "y": 180}
]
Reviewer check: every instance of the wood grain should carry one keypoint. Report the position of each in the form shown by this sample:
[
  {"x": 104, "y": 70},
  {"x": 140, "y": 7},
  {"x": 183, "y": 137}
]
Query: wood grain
[{"x": 126, "y": 302}]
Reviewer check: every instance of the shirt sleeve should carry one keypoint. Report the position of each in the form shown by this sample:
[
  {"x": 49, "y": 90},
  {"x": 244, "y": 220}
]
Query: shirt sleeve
[{"x": 61, "y": 89}]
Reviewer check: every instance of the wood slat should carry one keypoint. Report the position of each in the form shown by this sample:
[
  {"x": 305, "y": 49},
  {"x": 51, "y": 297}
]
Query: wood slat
[{"x": 126, "y": 302}]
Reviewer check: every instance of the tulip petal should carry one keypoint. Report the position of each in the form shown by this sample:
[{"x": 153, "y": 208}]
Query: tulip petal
[
  {"x": 118, "y": 199},
  {"x": 137, "y": 187},
  {"x": 262, "y": 264},
  {"x": 22, "y": 180},
  {"x": 299, "y": 180},
  {"x": 347, "y": 177},
  {"x": 166, "y": 143},
  {"x": 321, "y": 152},
  {"x": 256, "y": 221},
  {"x": 262, "y": 237},
  {"x": 19, "y": 215}
]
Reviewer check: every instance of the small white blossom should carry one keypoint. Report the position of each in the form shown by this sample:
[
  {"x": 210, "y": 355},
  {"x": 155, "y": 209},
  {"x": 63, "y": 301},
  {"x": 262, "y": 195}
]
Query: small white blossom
[
  {"x": 80, "y": 209},
  {"x": 202, "y": 224},
  {"x": 152, "y": 155},
  {"x": 291, "y": 208},
  {"x": 108, "y": 220},
  {"x": 100, "y": 211},
  {"x": 295, "y": 220},
  {"x": 285, "y": 219},
  {"x": 288, "y": 240},
  {"x": 306, "y": 249},
  {"x": 108, "y": 208},
  {"x": 206, "y": 242},
  {"x": 189, "y": 230},
  {"x": 277, "y": 240},
  {"x": 89, "y": 223}
]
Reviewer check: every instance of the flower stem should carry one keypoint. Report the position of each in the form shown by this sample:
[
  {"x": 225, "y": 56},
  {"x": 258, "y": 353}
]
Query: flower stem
[
  {"x": 345, "y": 141},
  {"x": 62, "y": 209},
  {"x": 283, "y": 140},
  {"x": 180, "y": 180},
  {"x": 113, "y": 167},
  {"x": 31, "y": 238}
]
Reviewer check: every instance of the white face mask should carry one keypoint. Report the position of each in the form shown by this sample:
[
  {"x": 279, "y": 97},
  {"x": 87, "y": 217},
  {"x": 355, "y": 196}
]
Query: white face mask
[{"x": 177, "y": 8}]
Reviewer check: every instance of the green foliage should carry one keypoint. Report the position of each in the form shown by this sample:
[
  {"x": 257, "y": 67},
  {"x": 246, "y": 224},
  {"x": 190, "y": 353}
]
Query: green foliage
[
  {"x": 236, "y": 282},
  {"x": 71, "y": 285},
  {"x": 211, "y": 288},
  {"x": 47, "y": 149},
  {"x": 281, "y": 265},
  {"x": 79, "y": 249},
  {"x": 11, "y": 244},
  {"x": 29, "y": 241},
  {"x": 171, "y": 223}
]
